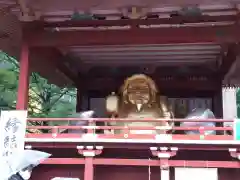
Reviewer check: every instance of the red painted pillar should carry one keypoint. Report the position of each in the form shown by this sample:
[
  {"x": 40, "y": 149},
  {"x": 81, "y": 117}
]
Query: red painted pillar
[
  {"x": 164, "y": 153},
  {"x": 23, "y": 82},
  {"x": 88, "y": 171},
  {"x": 89, "y": 152}
]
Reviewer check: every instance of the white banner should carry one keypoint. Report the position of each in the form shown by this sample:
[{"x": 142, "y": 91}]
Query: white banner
[
  {"x": 64, "y": 178},
  {"x": 12, "y": 132},
  {"x": 196, "y": 173}
]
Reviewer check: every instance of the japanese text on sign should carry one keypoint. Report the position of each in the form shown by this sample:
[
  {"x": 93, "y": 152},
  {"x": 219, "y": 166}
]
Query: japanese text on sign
[{"x": 12, "y": 133}]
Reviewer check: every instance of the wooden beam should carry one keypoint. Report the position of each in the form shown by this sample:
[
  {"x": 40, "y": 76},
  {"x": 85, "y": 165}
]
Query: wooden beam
[
  {"x": 114, "y": 84},
  {"x": 56, "y": 58},
  {"x": 123, "y": 72},
  {"x": 215, "y": 34},
  {"x": 144, "y": 162},
  {"x": 183, "y": 142},
  {"x": 172, "y": 163},
  {"x": 136, "y": 22}
]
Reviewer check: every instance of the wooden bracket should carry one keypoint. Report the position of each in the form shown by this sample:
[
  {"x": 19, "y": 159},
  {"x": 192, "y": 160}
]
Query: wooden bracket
[
  {"x": 164, "y": 153},
  {"x": 234, "y": 152},
  {"x": 89, "y": 151}
]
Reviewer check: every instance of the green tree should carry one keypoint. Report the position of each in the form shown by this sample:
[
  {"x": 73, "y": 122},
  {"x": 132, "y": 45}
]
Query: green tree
[
  {"x": 8, "y": 83},
  {"x": 238, "y": 103},
  {"x": 49, "y": 100},
  {"x": 45, "y": 99},
  {"x": 7, "y": 89}
]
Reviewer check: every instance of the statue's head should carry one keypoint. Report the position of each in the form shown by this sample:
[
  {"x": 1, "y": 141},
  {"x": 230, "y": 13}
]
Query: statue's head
[{"x": 139, "y": 89}]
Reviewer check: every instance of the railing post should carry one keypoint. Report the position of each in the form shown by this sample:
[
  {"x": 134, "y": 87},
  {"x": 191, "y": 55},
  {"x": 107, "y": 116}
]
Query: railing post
[
  {"x": 55, "y": 131},
  {"x": 202, "y": 132},
  {"x": 91, "y": 124},
  {"x": 89, "y": 152},
  {"x": 88, "y": 171},
  {"x": 164, "y": 153}
]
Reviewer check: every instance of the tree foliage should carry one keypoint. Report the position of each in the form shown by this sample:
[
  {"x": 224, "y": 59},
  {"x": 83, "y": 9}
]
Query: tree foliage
[
  {"x": 8, "y": 83},
  {"x": 45, "y": 99},
  {"x": 238, "y": 103}
]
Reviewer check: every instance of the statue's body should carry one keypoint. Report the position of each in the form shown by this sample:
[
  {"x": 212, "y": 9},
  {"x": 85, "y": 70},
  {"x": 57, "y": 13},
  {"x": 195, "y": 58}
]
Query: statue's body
[{"x": 138, "y": 100}]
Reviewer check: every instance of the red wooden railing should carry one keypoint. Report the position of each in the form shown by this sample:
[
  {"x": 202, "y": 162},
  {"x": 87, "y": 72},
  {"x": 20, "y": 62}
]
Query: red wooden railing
[
  {"x": 60, "y": 130},
  {"x": 55, "y": 133}
]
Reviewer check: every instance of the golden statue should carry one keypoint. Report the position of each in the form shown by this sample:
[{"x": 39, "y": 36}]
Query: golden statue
[{"x": 138, "y": 100}]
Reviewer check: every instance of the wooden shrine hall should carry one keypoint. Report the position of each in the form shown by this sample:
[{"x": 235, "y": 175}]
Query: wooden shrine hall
[{"x": 180, "y": 52}]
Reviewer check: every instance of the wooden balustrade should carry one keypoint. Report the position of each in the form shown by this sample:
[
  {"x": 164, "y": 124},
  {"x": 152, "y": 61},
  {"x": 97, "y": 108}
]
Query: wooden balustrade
[{"x": 96, "y": 131}]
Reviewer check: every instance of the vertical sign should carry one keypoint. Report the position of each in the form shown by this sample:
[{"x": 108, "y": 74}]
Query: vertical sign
[{"x": 12, "y": 132}]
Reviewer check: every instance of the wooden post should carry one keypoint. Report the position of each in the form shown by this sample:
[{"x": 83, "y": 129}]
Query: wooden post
[
  {"x": 164, "y": 153},
  {"x": 88, "y": 170},
  {"x": 89, "y": 152},
  {"x": 164, "y": 169},
  {"x": 23, "y": 83}
]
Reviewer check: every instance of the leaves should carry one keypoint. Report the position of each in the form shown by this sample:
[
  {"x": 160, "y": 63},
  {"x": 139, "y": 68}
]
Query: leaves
[
  {"x": 45, "y": 99},
  {"x": 8, "y": 88},
  {"x": 238, "y": 103}
]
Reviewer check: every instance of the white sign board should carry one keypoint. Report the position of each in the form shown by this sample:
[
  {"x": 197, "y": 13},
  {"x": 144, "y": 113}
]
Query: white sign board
[
  {"x": 196, "y": 174},
  {"x": 64, "y": 178},
  {"x": 12, "y": 132}
]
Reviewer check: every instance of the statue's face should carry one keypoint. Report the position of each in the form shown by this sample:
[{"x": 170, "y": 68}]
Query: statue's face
[{"x": 139, "y": 93}]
